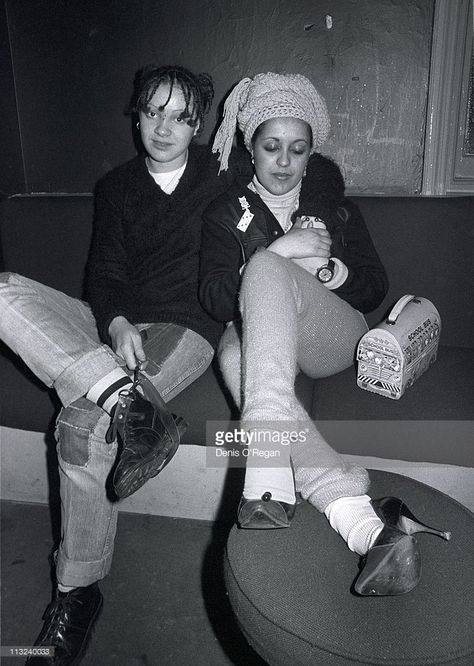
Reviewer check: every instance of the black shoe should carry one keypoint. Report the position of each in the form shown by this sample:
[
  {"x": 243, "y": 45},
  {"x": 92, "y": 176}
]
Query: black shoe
[
  {"x": 69, "y": 620},
  {"x": 393, "y": 565},
  {"x": 393, "y": 511},
  {"x": 264, "y": 513},
  {"x": 149, "y": 437}
]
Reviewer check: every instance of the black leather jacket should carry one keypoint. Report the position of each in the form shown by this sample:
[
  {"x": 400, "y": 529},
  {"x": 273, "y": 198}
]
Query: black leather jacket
[{"x": 225, "y": 248}]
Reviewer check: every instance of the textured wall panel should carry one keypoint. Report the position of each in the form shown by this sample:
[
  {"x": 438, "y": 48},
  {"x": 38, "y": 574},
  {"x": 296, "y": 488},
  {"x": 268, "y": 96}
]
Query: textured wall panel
[{"x": 74, "y": 63}]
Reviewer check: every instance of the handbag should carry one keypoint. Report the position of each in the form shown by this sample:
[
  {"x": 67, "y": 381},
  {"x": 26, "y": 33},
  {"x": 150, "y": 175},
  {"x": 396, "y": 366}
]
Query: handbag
[{"x": 391, "y": 356}]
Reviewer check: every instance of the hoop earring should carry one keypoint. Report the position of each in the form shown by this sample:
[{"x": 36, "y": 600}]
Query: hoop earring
[{"x": 138, "y": 125}]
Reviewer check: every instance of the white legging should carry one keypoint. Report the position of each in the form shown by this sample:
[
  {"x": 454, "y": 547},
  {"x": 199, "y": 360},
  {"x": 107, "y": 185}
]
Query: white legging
[{"x": 291, "y": 323}]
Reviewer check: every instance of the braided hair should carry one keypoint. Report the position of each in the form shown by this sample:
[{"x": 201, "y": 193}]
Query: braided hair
[{"x": 197, "y": 89}]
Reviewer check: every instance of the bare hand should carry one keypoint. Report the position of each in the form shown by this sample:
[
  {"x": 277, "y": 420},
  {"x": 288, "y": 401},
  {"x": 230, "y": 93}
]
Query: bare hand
[
  {"x": 299, "y": 243},
  {"x": 127, "y": 342}
]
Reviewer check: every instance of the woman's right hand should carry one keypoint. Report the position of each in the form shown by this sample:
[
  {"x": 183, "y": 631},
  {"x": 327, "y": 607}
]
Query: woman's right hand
[
  {"x": 299, "y": 243},
  {"x": 127, "y": 342}
]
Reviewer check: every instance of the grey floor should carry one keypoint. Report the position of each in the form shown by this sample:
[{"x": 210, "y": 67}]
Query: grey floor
[{"x": 164, "y": 600}]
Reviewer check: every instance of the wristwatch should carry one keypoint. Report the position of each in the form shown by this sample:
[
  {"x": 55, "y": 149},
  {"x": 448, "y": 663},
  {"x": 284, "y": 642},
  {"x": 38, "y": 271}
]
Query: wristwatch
[{"x": 326, "y": 273}]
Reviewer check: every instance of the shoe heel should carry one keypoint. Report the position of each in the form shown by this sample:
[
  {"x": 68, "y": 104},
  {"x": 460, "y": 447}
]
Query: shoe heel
[
  {"x": 181, "y": 425},
  {"x": 393, "y": 511},
  {"x": 410, "y": 525}
]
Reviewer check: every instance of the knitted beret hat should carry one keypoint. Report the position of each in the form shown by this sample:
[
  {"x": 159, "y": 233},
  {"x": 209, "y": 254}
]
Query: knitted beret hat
[{"x": 266, "y": 96}]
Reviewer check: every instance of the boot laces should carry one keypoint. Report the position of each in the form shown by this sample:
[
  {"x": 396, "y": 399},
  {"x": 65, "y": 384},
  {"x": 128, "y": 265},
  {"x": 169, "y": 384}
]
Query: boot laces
[
  {"x": 58, "y": 616},
  {"x": 128, "y": 394}
]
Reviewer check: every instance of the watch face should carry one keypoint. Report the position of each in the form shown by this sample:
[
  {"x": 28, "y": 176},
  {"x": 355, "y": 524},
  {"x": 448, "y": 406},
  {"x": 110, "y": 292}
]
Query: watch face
[{"x": 325, "y": 274}]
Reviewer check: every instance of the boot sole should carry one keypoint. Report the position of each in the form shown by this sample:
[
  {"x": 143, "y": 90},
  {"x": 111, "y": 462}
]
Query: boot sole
[{"x": 147, "y": 468}]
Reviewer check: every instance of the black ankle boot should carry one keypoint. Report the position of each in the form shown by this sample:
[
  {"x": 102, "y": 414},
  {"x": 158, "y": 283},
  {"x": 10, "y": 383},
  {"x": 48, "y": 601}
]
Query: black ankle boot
[
  {"x": 148, "y": 437},
  {"x": 68, "y": 623}
]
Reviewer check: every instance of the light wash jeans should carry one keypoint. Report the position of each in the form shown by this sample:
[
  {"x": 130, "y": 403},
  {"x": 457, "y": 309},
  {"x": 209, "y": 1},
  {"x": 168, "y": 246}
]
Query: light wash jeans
[{"x": 56, "y": 336}]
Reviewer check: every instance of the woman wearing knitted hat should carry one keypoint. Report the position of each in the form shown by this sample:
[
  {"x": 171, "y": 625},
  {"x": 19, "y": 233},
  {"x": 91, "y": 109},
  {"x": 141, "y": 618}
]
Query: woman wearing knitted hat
[{"x": 296, "y": 256}]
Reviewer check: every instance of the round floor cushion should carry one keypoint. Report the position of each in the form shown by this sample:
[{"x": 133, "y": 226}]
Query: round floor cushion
[{"x": 291, "y": 590}]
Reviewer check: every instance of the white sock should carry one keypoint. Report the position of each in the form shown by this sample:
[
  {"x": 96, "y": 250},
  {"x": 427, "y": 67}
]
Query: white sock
[
  {"x": 356, "y": 521},
  {"x": 66, "y": 588},
  {"x": 105, "y": 392}
]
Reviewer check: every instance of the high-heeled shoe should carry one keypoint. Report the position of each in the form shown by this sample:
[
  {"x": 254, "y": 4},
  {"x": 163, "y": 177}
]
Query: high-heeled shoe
[
  {"x": 393, "y": 511},
  {"x": 393, "y": 565},
  {"x": 264, "y": 513}
]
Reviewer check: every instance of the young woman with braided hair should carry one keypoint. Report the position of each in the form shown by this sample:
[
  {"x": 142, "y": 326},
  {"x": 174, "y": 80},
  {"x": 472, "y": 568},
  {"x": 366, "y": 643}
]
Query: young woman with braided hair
[
  {"x": 142, "y": 311},
  {"x": 288, "y": 263}
]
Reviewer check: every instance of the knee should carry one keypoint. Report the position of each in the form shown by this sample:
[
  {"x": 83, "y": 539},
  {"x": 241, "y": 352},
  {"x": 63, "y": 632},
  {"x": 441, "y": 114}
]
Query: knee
[
  {"x": 229, "y": 357},
  {"x": 264, "y": 262},
  {"x": 263, "y": 270},
  {"x": 6, "y": 276},
  {"x": 229, "y": 351},
  {"x": 5, "y": 297},
  {"x": 75, "y": 426}
]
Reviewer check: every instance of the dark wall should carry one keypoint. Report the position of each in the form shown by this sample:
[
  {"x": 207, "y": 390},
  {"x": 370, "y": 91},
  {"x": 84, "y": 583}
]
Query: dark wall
[
  {"x": 12, "y": 176},
  {"x": 74, "y": 62}
]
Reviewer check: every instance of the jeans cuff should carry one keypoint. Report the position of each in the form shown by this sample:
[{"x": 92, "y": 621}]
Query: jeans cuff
[
  {"x": 72, "y": 573},
  {"x": 77, "y": 379}
]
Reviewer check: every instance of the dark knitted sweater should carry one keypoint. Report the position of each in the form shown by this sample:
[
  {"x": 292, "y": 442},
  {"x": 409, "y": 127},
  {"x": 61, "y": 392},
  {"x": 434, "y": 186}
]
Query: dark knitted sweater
[{"x": 144, "y": 257}]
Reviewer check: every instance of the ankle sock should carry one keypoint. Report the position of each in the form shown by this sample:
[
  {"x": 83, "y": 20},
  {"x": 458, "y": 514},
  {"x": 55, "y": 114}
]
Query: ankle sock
[
  {"x": 105, "y": 392},
  {"x": 356, "y": 521},
  {"x": 64, "y": 589}
]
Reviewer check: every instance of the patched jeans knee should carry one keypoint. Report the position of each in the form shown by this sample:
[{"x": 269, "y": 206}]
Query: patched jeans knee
[{"x": 79, "y": 428}]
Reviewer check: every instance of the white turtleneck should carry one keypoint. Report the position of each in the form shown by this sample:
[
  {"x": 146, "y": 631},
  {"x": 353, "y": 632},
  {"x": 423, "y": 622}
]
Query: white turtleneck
[{"x": 281, "y": 205}]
